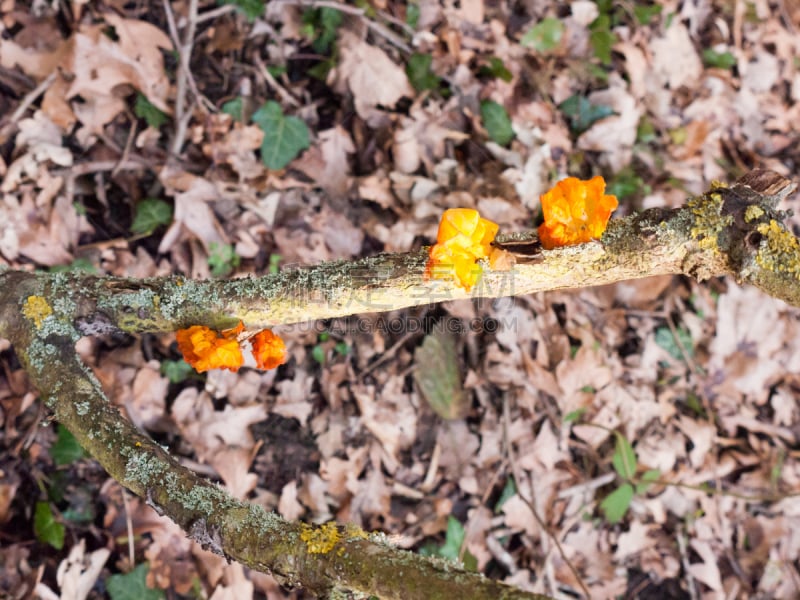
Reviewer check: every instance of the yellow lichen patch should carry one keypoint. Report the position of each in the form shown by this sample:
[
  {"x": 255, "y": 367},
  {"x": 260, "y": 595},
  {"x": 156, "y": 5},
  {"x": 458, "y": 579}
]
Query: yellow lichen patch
[
  {"x": 320, "y": 540},
  {"x": 782, "y": 251},
  {"x": 708, "y": 220},
  {"x": 753, "y": 213},
  {"x": 354, "y": 532},
  {"x": 36, "y": 309}
]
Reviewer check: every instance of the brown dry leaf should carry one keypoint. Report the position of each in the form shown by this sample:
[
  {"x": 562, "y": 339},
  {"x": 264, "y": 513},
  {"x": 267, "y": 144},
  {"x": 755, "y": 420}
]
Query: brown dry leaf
[
  {"x": 675, "y": 61},
  {"x": 370, "y": 75},
  {"x": 148, "y": 400},
  {"x": 101, "y": 65},
  {"x": 192, "y": 211},
  {"x": 233, "y": 465},
  {"x": 390, "y": 416},
  {"x": 235, "y": 586}
]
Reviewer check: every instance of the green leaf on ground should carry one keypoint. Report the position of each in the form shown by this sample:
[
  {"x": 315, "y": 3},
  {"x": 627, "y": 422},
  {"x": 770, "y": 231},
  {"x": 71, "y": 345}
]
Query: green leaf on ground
[
  {"x": 66, "y": 450},
  {"x": 132, "y": 586},
  {"x": 666, "y": 340},
  {"x": 496, "y": 121},
  {"x": 645, "y": 14},
  {"x": 624, "y": 459},
  {"x": 419, "y": 72},
  {"x": 575, "y": 415},
  {"x": 151, "y": 213},
  {"x": 284, "y": 137},
  {"x": 496, "y": 68},
  {"x": 235, "y": 109},
  {"x": 45, "y": 526},
  {"x": 454, "y": 538},
  {"x": 720, "y": 60},
  {"x": 647, "y": 479},
  {"x": 438, "y": 375},
  {"x": 616, "y": 504},
  {"x": 222, "y": 259},
  {"x": 602, "y": 39},
  {"x": 545, "y": 35},
  {"x": 252, "y": 9},
  {"x": 509, "y": 490},
  {"x": 582, "y": 114},
  {"x": 144, "y": 109},
  {"x": 176, "y": 370}
]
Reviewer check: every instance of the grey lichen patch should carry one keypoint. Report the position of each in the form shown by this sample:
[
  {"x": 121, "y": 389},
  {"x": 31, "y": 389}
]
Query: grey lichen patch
[
  {"x": 133, "y": 310},
  {"x": 82, "y": 408},
  {"x": 143, "y": 468},
  {"x": 780, "y": 250},
  {"x": 709, "y": 222}
]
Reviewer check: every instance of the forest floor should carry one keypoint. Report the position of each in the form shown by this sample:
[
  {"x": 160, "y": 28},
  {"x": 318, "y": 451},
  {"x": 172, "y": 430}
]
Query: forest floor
[{"x": 640, "y": 440}]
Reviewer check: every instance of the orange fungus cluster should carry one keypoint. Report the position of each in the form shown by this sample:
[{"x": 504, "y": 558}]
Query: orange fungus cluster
[
  {"x": 575, "y": 212},
  {"x": 205, "y": 349},
  {"x": 464, "y": 238}
]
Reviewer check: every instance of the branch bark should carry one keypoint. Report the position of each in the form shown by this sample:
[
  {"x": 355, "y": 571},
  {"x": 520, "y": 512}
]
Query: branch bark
[{"x": 736, "y": 231}]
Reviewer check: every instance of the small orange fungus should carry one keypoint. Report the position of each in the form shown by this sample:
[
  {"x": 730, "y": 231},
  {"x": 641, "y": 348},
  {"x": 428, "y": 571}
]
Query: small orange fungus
[
  {"x": 268, "y": 350},
  {"x": 204, "y": 349},
  {"x": 464, "y": 237},
  {"x": 575, "y": 212}
]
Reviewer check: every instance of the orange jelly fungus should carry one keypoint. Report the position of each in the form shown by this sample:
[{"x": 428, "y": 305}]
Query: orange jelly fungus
[
  {"x": 464, "y": 238},
  {"x": 268, "y": 350},
  {"x": 575, "y": 212},
  {"x": 204, "y": 349}
]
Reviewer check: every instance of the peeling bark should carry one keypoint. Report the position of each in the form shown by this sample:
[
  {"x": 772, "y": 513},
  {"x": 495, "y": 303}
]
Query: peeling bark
[{"x": 736, "y": 231}]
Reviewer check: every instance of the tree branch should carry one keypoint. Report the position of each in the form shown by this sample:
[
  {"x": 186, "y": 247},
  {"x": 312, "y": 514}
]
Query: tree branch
[{"x": 735, "y": 231}]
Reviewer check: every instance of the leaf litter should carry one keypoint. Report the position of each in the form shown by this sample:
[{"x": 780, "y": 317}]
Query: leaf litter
[{"x": 700, "y": 381}]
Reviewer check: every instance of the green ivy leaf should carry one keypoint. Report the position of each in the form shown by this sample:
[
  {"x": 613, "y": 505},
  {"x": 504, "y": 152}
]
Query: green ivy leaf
[
  {"x": 602, "y": 39},
  {"x": 252, "y": 9},
  {"x": 66, "y": 450},
  {"x": 419, "y": 72},
  {"x": 496, "y": 121},
  {"x": 627, "y": 183},
  {"x": 412, "y": 14},
  {"x": 496, "y": 68},
  {"x": 616, "y": 504},
  {"x": 284, "y": 137},
  {"x": 545, "y": 35},
  {"x": 132, "y": 586},
  {"x": 235, "y": 109},
  {"x": 46, "y": 528},
  {"x": 582, "y": 114},
  {"x": 624, "y": 459},
  {"x": 645, "y": 14},
  {"x": 151, "y": 213},
  {"x": 144, "y": 109},
  {"x": 176, "y": 370},
  {"x": 720, "y": 60}
]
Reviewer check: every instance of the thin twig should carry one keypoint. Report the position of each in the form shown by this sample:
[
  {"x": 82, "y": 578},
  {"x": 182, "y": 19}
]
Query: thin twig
[
  {"x": 273, "y": 83},
  {"x": 215, "y": 13},
  {"x": 515, "y": 469},
  {"x": 184, "y": 49},
  {"x": 26, "y": 102},
  {"x": 127, "y": 150},
  {"x": 129, "y": 525}
]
